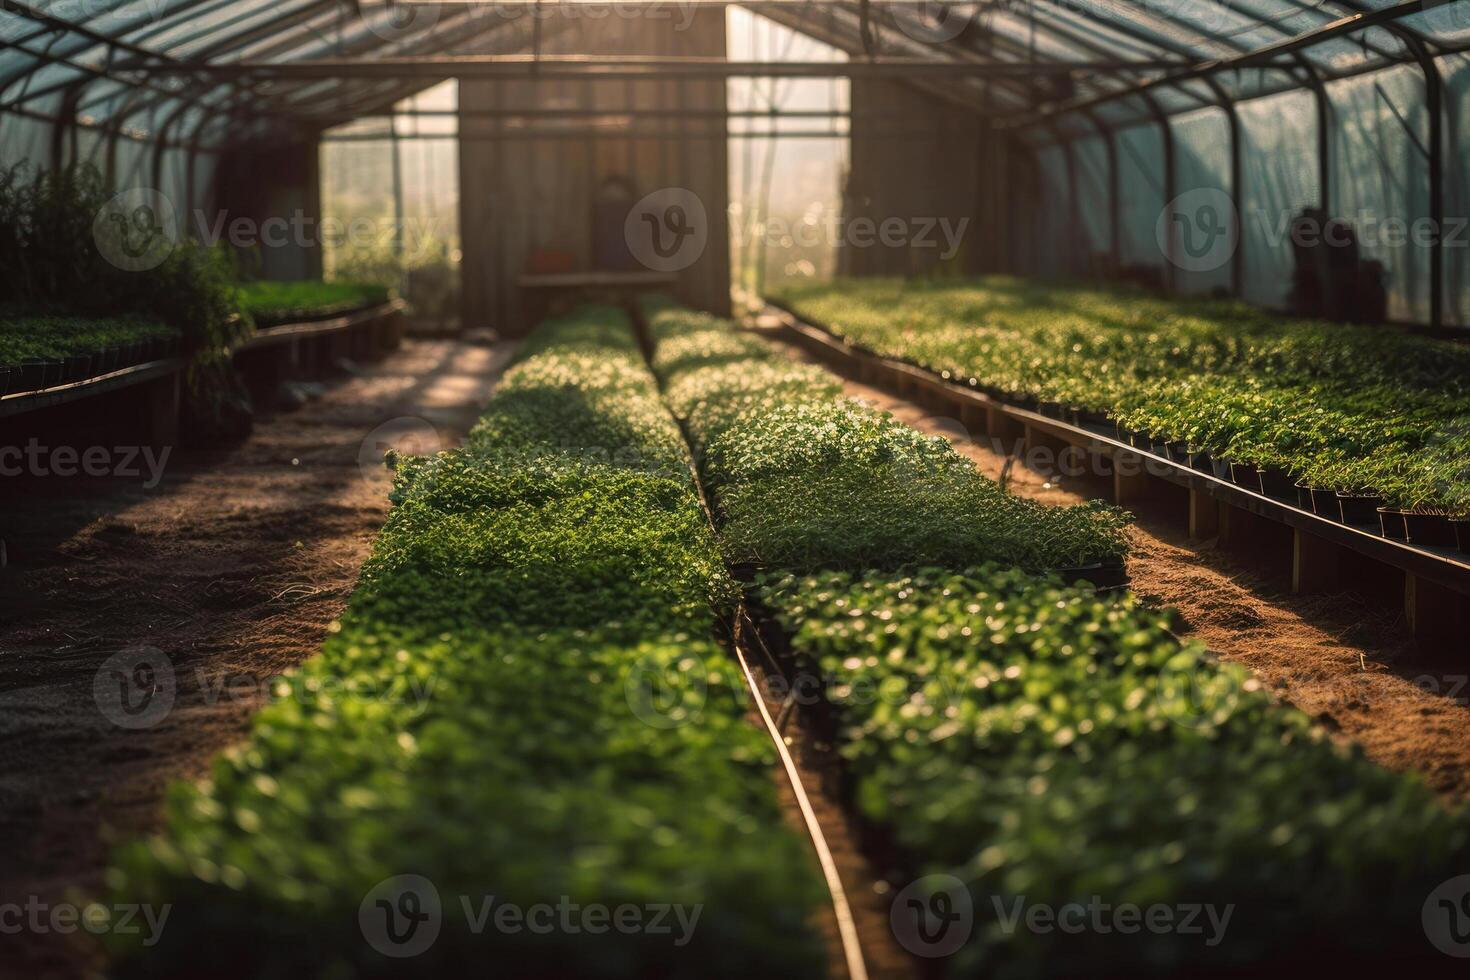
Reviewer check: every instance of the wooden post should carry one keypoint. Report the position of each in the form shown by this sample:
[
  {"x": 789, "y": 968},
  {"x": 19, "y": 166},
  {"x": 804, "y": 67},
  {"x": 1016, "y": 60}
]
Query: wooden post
[
  {"x": 1204, "y": 515},
  {"x": 975, "y": 419},
  {"x": 1263, "y": 542},
  {"x": 163, "y": 410},
  {"x": 1006, "y": 434},
  {"x": 1436, "y": 618},
  {"x": 1315, "y": 564},
  {"x": 1131, "y": 481}
]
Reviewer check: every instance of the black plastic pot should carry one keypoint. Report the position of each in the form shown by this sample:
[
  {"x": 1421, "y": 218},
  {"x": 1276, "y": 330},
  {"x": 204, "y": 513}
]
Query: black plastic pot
[
  {"x": 78, "y": 368},
  {"x": 110, "y": 360},
  {"x": 1201, "y": 460},
  {"x": 37, "y": 373},
  {"x": 1220, "y": 467},
  {"x": 1178, "y": 452},
  {"x": 1053, "y": 410},
  {"x": 1277, "y": 484},
  {"x": 1429, "y": 530},
  {"x": 1359, "y": 508},
  {"x": 1082, "y": 416},
  {"x": 1391, "y": 523},
  {"x": 1303, "y": 497},
  {"x": 1141, "y": 440},
  {"x": 1245, "y": 475},
  {"x": 4, "y": 380},
  {"x": 1324, "y": 504},
  {"x": 1462, "y": 533}
]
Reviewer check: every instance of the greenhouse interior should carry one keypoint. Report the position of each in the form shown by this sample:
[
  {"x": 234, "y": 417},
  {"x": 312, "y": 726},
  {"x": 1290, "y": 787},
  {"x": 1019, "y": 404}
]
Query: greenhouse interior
[{"x": 687, "y": 489}]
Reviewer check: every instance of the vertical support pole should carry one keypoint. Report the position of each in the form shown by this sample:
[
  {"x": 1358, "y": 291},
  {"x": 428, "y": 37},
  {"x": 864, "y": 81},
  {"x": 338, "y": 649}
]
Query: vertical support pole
[
  {"x": 1434, "y": 102},
  {"x": 1115, "y": 195},
  {"x": 1237, "y": 259},
  {"x": 1007, "y": 435},
  {"x": 163, "y": 411},
  {"x": 1232, "y": 118},
  {"x": 1204, "y": 515},
  {"x": 1167, "y": 132},
  {"x": 1131, "y": 481},
  {"x": 398, "y": 197},
  {"x": 1324, "y": 142},
  {"x": 1435, "y": 617},
  {"x": 1074, "y": 205}
]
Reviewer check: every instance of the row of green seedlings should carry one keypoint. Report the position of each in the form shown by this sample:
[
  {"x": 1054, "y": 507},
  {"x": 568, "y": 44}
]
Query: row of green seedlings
[
  {"x": 522, "y": 732},
  {"x": 1067, "y": 788},
  {"x": 78, "y": 299},
  {"x": 271, "y": 302},
  {"x": 1377, "y": 416}
]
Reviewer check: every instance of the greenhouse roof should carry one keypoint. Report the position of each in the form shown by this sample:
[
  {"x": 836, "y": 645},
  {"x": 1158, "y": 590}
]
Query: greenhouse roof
[{"x": 213, "y": 70}]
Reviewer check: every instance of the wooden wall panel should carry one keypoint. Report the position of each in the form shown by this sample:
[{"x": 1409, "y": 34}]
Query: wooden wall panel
[
  {"x": 524, "y": 193},
  {"x": 931, "y": 170}
]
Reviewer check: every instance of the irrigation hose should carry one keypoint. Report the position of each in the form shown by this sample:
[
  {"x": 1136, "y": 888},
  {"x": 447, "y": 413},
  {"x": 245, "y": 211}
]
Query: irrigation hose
[
  {"x": 846, "y": 926},
  {"x": 852, "y": 950}
]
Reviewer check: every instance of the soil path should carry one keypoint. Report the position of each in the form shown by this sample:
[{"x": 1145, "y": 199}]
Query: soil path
[
  {"x": 233, "y": 567},
  {"x": 1343, "y": 662}
]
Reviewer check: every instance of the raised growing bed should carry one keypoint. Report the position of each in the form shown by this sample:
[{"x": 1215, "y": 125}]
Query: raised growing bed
[
  {"x": 314, "y": 345},
  {"x": 524, "y": 700},
  {"x": 1011, "y": 738},
  {"x": 273, "y": 303},
  {"x": 39, "y": 353},
  {"x": 1327, "y": 406},
  {"x": 1220, "y": 502},
  {"x": 802, "y": 476},
  {"x": 1035, "y": 745}
]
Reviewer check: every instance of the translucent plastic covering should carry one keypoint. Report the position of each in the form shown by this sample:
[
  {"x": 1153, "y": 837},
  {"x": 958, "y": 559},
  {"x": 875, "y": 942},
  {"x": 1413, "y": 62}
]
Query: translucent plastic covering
[
  {"x": 153, "y": 87},
  {"x": 1340, "y": 123}
]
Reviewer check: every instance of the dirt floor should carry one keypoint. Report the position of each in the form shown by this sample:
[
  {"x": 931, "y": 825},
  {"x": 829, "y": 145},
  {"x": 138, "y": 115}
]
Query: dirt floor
[
  {"x": 1338, "y": 659},
  {"x": 232, "y": 568}
]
